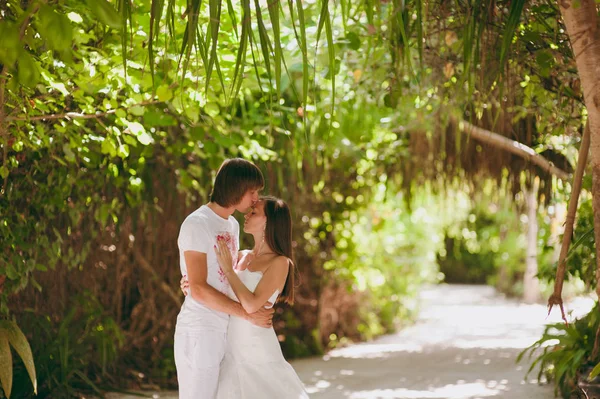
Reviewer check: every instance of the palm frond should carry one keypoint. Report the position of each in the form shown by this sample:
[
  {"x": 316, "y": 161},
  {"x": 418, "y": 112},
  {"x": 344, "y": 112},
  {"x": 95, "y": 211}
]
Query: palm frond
[
  {"x": 240, "y": 62},
  {"x": 214, "y": 7},
  {"x": 516, "y": 8},
  {"x": 156, "y": 10},
  {"x": 189, "y": 36},
  {"x": 124, "y": 8},
  {"x": 265, "y": 43},
  {"x": 304, "y": 50},
  {"x": 274, "y": 9}
]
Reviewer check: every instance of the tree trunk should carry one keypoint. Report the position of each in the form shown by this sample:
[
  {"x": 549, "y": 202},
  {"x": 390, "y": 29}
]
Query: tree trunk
[
  {"x": 558, "y": 220},
  {"x": 561, "y": 269},
  {"x": 531, "y": 287},
  {"x": 581, "y": 20}
]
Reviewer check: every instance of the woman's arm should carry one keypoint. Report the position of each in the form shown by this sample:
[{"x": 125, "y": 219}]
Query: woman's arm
[
  {"x": 273, "y": 279},
  {"x": 204, "y": 293}
]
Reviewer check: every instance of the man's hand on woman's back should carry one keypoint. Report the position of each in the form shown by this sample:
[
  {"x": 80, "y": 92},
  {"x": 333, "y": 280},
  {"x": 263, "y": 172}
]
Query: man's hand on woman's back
[{"x": 262, "y": 318}]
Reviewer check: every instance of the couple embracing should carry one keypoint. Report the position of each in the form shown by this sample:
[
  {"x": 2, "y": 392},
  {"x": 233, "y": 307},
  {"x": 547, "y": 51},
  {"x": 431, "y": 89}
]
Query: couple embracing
[{"x": 225, "y": 345}]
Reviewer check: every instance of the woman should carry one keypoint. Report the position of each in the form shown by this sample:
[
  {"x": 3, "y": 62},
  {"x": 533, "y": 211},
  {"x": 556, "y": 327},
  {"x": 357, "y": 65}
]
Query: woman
[{"x": 253, "y": 366}]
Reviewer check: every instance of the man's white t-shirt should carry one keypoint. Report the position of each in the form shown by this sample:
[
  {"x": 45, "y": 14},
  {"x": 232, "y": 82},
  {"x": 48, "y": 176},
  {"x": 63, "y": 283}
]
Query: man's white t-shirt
[{"x": 199, "y": 233}]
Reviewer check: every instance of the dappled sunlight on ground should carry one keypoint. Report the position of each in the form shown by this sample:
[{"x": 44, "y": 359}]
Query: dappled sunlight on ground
[
  {"x": 463, "y": 346},
  {"x": 477, "y": 389}
]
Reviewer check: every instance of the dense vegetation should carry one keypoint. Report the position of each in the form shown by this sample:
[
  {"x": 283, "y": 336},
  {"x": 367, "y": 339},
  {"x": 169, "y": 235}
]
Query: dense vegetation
[{"x": 114, "y": 116}]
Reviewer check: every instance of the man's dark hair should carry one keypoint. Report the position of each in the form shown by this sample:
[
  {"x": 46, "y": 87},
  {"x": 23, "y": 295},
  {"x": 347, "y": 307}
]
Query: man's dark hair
[{"x": 234, "y": 179}]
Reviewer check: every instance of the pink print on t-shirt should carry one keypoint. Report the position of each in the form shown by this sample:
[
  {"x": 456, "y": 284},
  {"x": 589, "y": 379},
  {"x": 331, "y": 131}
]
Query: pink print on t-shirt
[{"x": 233, "y": 248}]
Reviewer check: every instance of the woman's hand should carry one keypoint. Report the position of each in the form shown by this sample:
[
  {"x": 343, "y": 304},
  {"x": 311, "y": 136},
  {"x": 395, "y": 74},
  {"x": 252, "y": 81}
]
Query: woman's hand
[
  {"x": 224, "y": 256},
  {"x": 184, "y": 284}
]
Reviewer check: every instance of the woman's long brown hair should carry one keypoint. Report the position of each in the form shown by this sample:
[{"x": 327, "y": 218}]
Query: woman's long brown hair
[{"x": 278, "y": 235}]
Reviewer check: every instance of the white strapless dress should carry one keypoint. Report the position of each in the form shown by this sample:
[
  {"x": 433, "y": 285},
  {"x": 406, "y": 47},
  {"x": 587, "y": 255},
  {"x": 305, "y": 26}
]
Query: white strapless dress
[{"x": 254, "y": 367}]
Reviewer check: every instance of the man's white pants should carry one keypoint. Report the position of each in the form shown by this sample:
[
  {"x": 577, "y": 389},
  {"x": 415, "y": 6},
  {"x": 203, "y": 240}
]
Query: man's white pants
[{"x": 197, "y": 358}]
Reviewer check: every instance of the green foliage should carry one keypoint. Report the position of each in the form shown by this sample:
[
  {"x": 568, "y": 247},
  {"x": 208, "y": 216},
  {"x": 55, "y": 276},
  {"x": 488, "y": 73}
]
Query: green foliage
[
  {"x": 377, "y": 248},
  {"x": 98, "y": 153},
  {"x": 565, "y": 351},
  {"x": 77, "y": 179},
  {"x": 11, "y": 335},
  {"x": 581, "y": 258},
  {"x": 73, "y": 353},
  {"x": 487, "y": 243}
]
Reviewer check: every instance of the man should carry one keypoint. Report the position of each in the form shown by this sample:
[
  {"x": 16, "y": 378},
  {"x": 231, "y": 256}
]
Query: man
[{"x": 201, "y": 329}]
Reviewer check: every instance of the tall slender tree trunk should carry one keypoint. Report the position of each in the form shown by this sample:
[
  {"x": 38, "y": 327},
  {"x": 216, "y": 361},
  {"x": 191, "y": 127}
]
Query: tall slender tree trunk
[
  {"x": 581, "y": 20},
  {"x": 558, "y": 220},
  {"x": 531, "y": 286}
]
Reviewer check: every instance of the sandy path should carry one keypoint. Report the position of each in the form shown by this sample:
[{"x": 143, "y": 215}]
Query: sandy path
[{"x": 463, "y": 346}]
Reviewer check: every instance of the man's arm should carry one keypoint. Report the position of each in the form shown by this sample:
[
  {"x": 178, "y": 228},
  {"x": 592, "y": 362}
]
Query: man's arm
[
  {"x": 272, "y": 280},
  {"x": 207, "y": 295}
]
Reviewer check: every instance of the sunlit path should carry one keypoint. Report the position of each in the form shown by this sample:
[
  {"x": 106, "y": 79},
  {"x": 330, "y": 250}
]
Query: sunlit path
[{"x": 464, "y": 345}]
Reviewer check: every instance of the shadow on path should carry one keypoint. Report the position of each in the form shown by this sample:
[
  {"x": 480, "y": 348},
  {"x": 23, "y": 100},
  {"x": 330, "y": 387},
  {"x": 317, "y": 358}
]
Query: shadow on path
[{"x": 463, "y": 346}]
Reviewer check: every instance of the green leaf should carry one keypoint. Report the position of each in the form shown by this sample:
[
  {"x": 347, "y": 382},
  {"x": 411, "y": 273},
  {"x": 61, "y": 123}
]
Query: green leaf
[
  {"x": 214, "y": 7},
  {"x": 4, "y": 172},
  {"x": 265, "y": 43},
  {"x": 157, "y": 118},
  {"x": 106, "y": 13},
  {"x": 54, "y": 28},
  {"x": 18, "y": 341},
  {"x": 123, "y": 151},
  {"x": 156, "y": 10},
  {"x": 231, "y": 13},
  {"x": 212, "y": 109},
  {"x": 322, "y": 17},
  {"x": 28, "y": 70},
  {"x": 325, "y": 20},
  {"x": 132, "y": 141},
  {"x": 302, "y": 25},
  {"x": 545, "y": 61},
  {"x": 102, "y": 213},
  {"x": 164, "y": 93},
  {"x": 353, "y": 41},
  {"x": 11, "y": 44},
  {"x": 274, "y": 9},
  {"x": 87, "y": 380},
  {"x": 108, "y": 147},
  {"x": 35, "y": 284},
  {"x": 6, "y": 364},
  {"x": 11, "y": 272},
  {"x": 419, "y": 23},
  {"x": 240, "y": 62},
  {"x": 137, "y": 110},
  {"x": 516, "y": 8},
  {"x": 189, "y": 36},
  {"x": 124, "y": 10},
  {"x": 41, "y": 267},
  {"x": 331, "y": 48},
  {"x": 68, "y": 152}
]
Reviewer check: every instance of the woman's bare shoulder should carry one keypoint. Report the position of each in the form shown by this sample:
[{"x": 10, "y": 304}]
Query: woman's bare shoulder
[{"x": 280, "y": 261}]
